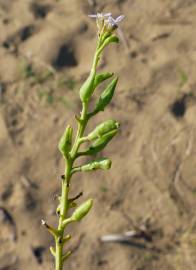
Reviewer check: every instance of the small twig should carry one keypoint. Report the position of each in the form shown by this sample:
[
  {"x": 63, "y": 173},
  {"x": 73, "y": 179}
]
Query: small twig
[
  {"x": 140, "y": 232},
  {"x": 76, "y": 197},
  {"x": 118, "y": 237},
  {"x": 49, "y": 228},
  {"x": 113, "y": 238}
]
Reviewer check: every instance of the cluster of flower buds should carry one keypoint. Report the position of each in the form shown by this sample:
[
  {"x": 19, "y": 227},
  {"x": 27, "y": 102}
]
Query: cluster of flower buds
[
  {"x": 106, "y": 23},
  {"x": 106, "y": 26}
]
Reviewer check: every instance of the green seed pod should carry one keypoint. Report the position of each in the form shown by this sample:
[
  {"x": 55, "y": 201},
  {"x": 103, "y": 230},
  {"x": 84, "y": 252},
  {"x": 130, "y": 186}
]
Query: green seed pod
[
  {"x": 106, "y": 96},
  {"x": 82, "y": 210},
  {"x": 102, "y": 129},
  {"x": 103, "y": 163},
  {"x": 87, "y": 88},
  {"x": 99, "y": 78},
  {"x": 101, "y": 143},
  {"x": 66, "y": 141}
]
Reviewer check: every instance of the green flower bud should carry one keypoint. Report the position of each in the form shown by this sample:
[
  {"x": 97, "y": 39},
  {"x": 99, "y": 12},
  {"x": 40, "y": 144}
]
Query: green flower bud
[
  {"x": 66, "y": 141},
  {"x": 102, "y": 129},
  {"x": 82, "y": 210},
  {"x": 101, "y": 143},
  {"x": 87, "y": 88},
  {"x": 103, "y": 163},
  {"x": 99, "y": 78},
  {"x": 106, "y": 96}
]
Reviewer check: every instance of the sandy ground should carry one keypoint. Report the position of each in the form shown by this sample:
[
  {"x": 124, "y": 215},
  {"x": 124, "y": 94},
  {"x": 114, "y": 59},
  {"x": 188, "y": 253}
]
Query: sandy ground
[{"x": 46, "y": 51}]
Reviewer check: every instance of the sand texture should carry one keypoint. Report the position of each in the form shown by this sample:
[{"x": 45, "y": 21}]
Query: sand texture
[{"x": 46, "y": 51}]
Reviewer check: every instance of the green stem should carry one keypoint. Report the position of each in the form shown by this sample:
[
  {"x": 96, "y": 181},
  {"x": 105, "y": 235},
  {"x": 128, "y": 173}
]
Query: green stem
[
  {"x": 58, "y": 257},
  {"x": 82, "y": 122},
  {"x": 63, "y": 214},
  {"x": 97, "y": 55},
  {"x": 65, "y": 189}
]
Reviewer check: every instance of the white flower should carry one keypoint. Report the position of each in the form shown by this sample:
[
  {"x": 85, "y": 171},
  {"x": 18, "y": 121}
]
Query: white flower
[
  {"x": 106, "y": 23},
  {"x": 113, "y": 23},
  {"x": 100, "y": 15}
]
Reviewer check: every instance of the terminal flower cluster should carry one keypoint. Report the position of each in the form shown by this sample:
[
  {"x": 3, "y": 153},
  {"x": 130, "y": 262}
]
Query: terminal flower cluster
[{"x": 106, "y": 23}]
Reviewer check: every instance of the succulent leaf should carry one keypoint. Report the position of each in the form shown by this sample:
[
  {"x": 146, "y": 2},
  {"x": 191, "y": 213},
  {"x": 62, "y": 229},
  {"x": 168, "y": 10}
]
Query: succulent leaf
[
  {"x": 82, "y": 210},
  {"x": 103, "y": 129},
  {"x": 102, "y": 163},
  {"x": 106, "y": 96},
  {"x": 65, "y": 142}
]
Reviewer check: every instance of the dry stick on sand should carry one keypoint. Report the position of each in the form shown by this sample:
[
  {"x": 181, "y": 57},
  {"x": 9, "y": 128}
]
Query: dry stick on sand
[
  {"x": 139, "y": 231},
  {"x": 97, "y": 139}
]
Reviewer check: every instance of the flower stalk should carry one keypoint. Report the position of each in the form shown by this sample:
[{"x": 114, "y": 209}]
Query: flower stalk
[{"x": 98, "y": 139}]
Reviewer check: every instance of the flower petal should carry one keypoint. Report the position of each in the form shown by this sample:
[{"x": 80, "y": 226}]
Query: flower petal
[
  {"x": 92, "y": 16},
  {"x": 100, "y": 15},
  {"x": 107, "y": 14},
  {"x": 119, "y": 18}
]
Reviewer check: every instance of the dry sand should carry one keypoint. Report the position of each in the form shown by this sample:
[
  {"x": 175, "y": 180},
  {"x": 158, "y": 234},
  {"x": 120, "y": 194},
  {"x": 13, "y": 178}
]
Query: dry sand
[{"x": 46, "y": 51}]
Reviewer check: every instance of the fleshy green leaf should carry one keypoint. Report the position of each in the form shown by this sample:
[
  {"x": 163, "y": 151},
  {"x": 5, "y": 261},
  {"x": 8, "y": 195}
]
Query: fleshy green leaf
[
  {"x": 82, "y": 210},
  {"x": 99, "y": 78},
  {"x": 65, "y": 142},
  {"x": 103, "y": 129},
  {"x": 111, "y": 39},
  {"x": 87, "y": 88},
  {"x": 102, "y": 163},
  {"x": 100, "y": 143},
  {"x": 106, "y": 96}
]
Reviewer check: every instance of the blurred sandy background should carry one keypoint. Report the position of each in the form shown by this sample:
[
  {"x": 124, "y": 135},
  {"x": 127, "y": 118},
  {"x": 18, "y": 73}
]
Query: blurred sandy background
[{"x": 46, "y": 50}]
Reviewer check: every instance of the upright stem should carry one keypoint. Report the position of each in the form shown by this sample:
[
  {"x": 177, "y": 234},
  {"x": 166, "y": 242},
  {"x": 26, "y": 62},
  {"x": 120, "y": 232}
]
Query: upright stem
[
  {"x": 64, "y": 202},
  {"x": 65, "y": 190},
  {"x": 63, "y": 213}
]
